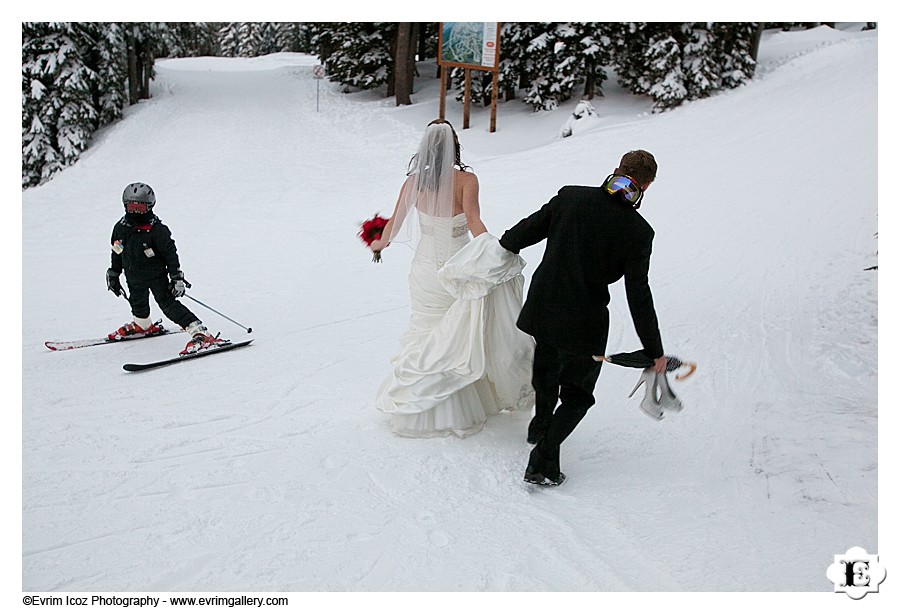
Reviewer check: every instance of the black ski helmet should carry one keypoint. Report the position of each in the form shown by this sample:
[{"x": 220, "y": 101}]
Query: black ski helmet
[{"x": 139, "y": 193}]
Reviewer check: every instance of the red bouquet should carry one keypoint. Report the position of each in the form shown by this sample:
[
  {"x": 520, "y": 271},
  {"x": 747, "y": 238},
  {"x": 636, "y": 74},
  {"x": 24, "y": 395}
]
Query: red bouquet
[{"x": 371, "y": 231}]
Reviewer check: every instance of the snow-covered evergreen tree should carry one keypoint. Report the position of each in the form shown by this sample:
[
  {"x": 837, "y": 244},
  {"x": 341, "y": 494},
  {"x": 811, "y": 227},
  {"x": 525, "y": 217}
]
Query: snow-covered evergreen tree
[
  {"x": 357, "y": 54},
  {"x": 268, "y": 38},
  {"x": 592, "y": 46},
  {"x": 191, "y": 39},
  {"x": 144, "y": 42},
  {"x": 513, "y": 37},
  {"x": 38, "y": 116},
  {"x": 76, "y": 78},
  {"x": 734, "y": 43},
  {"x": 320, "y": 41},
  {"x": 109, "y": 59},
  {"x": 628, "y": 42},
  {"x": 700, "y": 60},
  {"x": 543, "y": 87},
  {"x": 58, "y": 115},
  {"x": 293, "y": 36},
  {"x": 665, "y": 78},
  {"x": 674, "y": 62},
  {"x": 250, "y": 39},
  {"x": 229, "y": 40},
  {"x": 566, "y": 63}
]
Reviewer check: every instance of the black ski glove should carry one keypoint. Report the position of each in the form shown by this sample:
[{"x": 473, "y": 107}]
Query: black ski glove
[
  {"x": 179, "y": 285},
  {"x": 112, "y": 282}
]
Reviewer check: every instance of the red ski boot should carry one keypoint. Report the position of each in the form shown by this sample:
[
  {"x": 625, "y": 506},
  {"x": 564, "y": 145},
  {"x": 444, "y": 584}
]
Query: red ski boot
[
  {"x": 133, "y": 328},
  {"x": 201, "y": 341}
]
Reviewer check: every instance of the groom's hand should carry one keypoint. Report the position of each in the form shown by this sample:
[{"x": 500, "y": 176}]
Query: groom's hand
[
  {"x": 659, "y": 365},
  {"x": 507, "y": 247}
]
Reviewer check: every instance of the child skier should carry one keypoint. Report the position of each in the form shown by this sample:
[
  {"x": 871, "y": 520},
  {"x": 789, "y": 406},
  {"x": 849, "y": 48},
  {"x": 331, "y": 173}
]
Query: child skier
[{"x": 143, "y": 247}]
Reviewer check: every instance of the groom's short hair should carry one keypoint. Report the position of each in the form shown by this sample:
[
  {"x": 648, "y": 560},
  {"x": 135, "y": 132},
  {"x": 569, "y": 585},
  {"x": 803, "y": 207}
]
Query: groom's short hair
[{"x": 640, "y": 165}]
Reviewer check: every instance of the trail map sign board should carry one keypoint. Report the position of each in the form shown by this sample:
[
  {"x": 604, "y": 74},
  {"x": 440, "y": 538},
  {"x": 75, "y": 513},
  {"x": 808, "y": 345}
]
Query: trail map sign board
[{"x": 470, "y": 46}]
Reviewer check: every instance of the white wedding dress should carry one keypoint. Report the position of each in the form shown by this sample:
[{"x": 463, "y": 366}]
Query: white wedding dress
[{"x": 462, "y": 357}]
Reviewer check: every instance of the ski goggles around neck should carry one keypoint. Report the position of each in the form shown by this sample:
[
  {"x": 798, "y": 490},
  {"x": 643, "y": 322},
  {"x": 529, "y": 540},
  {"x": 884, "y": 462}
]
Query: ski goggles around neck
[
  {"x": 137, "y": 208},
  {"x": 626, "y": 187}
]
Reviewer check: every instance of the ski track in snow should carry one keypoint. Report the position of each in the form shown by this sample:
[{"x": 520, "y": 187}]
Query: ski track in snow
[{"x": 269, "y": 469}]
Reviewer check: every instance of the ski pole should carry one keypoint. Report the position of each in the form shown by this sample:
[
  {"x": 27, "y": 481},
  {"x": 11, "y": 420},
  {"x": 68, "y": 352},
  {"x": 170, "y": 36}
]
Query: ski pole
[{"x": 249, "y": 330}]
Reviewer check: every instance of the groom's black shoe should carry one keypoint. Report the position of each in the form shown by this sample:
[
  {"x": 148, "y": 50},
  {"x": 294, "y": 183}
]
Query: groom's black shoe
[
  {"x": 541, "y": 480},
  {"x": 543, "y": 469}
]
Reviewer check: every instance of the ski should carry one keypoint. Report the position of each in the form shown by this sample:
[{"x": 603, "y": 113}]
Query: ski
[
  {"x": 58, "y": 346},
  {"x": 171, "y": 361}
]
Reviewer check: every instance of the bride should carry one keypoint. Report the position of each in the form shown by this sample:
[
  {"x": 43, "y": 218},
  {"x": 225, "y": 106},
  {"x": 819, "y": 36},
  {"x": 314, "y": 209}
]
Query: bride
[{"x": 462, "y": 357}]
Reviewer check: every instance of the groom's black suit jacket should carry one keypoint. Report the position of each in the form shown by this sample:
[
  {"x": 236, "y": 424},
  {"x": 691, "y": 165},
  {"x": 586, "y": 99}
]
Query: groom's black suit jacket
[{"x": 593, "y": 240}]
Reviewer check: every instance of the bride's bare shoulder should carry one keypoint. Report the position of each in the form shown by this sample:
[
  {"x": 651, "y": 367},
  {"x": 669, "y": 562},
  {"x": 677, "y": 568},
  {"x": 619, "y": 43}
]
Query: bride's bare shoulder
[{"x": 466, "y": 177}]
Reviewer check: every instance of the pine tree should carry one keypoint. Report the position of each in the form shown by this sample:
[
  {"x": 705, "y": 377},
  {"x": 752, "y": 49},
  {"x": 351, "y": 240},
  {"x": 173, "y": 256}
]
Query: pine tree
[
  {"x": 684, "y": 61},
  {"x": 358, "y": 54},
  {"x": 58, "y": 116},
  {"x": 321, "y": 42},
  {"x": 109, "y": 60},
  {"x": 249, "y": 39},
  {"x": 512, "y": 57},
  {"x": 76, "y": 78},
  {"x": 38, "y": 115},
  {"x": 293, "y": 36},
  {"x": 735, "y": 50},
  {"x": 628, "y": 41},
  {"x": 565, "y": 63},
  {"x": 665, "y": 78},
  {"x": 428, "y": 40},
  {"x": 144, "y": 42},
  {"x": 592, "y": 45},
  {"x": 268, "y": 38},
  {"x": 191, "y": 39},
  {"x": 700, "y": 61},
  {"x": 229, "y": 40},
  {"x": 541, "y": 89}
]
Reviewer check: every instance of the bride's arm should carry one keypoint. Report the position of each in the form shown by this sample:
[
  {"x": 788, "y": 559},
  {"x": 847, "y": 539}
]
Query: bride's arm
[
  {"x": 470, "y": 204},
  {"x": 396, "y": 220}
]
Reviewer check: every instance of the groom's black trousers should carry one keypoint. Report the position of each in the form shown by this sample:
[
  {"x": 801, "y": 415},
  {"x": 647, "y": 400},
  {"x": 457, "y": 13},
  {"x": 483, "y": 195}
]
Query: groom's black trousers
[{"x": 567, "y": 377}]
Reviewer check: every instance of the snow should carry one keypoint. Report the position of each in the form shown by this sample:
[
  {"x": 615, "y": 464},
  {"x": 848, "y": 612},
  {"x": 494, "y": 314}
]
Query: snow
[{"x": 268, "y": 470}]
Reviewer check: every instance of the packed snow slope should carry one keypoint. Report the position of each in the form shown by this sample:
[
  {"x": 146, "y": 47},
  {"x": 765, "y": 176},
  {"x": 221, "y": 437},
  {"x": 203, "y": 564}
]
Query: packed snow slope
[{"x": 269, "y": 468}]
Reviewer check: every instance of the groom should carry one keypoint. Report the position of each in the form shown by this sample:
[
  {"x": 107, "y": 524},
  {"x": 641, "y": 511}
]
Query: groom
[{"x": 595, "y": 236}]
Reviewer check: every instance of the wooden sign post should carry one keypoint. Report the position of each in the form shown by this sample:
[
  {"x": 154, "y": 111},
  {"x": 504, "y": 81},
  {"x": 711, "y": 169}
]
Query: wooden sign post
[{"x": 470, "y": 46}]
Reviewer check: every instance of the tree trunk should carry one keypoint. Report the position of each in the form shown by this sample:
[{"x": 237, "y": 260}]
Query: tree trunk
[
  {"x": 134, "y": 92},
  {"x": 422, "y": 38},
  {"x": 147, "y": 57},
  {"x": 754, "y": 43},
  {"x": 413, "y": 54},
  {"x": 589, "y": 82},
  {"x": 402, "y": 63},
  {"x": 392, "y": 68}
]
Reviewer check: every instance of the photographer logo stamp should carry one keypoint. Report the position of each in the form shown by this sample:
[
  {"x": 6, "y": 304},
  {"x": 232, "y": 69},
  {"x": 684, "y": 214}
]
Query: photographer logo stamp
[{"x": 856, "y": 573}]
